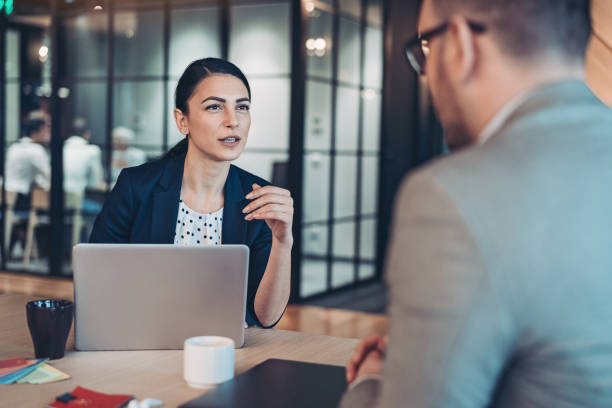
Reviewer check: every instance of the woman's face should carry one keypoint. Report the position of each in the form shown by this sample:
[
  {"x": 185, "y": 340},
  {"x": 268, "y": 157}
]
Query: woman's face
[{"x": 218, "y": 120}]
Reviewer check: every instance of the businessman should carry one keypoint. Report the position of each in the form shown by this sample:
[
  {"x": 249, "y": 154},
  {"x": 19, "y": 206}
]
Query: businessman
[{"x": 500, "y": 265}]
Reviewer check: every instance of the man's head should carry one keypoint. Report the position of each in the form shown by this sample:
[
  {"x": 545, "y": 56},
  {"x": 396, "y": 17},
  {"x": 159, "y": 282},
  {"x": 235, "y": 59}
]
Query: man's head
[
  {"x": 123, "y": 137},
  {"x": 473, "y": 72},
  {"x": 79, "y": 128},
  {"x": 36, "y": 129}
]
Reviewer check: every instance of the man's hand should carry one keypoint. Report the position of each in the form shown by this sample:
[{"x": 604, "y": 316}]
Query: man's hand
[
  {"x": 367, "y": 358},
  {"x": 372, "y": 365}
]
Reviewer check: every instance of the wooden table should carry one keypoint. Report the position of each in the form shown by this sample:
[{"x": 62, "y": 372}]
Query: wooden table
[{"x": 155, "y": 374}]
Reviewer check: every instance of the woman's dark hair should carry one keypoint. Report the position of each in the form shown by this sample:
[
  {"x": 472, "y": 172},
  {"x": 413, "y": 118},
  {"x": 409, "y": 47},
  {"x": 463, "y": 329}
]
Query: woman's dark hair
[{"x": 197, "y": 71}]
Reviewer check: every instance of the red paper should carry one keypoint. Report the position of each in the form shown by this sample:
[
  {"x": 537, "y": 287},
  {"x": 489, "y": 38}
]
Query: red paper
[
  {"x": 92, "y": 399},
  {"x": 14, "y": 364}
]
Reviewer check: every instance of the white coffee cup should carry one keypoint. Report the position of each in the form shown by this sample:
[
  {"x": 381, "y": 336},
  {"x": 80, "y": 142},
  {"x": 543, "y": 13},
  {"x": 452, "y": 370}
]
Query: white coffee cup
[{"x": 208, "y": 360}]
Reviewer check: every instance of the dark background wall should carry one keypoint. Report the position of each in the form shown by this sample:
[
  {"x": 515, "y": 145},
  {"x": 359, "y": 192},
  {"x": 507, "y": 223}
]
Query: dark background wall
[{"x": 410, "y": 133}]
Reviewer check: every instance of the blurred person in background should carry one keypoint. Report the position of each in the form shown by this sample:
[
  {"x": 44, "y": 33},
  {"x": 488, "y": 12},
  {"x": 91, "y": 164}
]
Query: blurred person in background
[
  {"x": 41, "y": 114},
  {"x": 27, "y": 161},
  {"x": 27, "y": 166},
  {"x": 82, "y": 160},
  {"x": 499, "y": 266},
  {"x": 82, "y": 165},
  {"x": 124, "y": 154}
]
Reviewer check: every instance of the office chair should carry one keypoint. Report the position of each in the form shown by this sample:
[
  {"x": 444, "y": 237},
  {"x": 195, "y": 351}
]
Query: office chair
[
  {"x": 11, "y": 199},
  {"x": 40, "y": 202}
]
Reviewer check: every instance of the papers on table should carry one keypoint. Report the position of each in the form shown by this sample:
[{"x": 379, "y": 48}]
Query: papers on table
[
  {"x": 29, "y": 371},
  {"x": 13, "y": 364},
  {"x": 44, "y": 374}
]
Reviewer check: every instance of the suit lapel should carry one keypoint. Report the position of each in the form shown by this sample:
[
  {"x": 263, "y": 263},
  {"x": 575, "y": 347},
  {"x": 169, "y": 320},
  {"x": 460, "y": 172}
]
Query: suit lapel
[
  {"x": 166, "y": 202},
  {"x": 234, "y": 229}
]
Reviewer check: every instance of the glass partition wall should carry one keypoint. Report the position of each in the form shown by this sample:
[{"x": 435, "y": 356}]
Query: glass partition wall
[
  {"x": 341, "y": 144},
  {"x": 25, "y": 134},
  {"x": 99, "y": 77}
]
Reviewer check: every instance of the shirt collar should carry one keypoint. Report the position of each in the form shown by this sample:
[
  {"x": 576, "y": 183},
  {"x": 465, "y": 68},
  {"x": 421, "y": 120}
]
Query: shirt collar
[
  {"x": 500, "y": 118},
  {"x": 76, "y": 139}
]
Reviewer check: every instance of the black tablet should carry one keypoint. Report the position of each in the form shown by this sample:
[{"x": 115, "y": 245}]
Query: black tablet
[{"x": 278, "y": 384}]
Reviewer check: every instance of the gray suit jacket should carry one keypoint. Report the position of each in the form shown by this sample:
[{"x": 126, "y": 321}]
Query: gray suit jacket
[{"x": 500, "y": 267}]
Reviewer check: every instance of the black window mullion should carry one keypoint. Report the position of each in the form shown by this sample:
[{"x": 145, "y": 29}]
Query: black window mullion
[
  {"x": 166, "y": 106},
  {"x": 57, "y": 188},
  {"x": 358, "y": 190},
  {"x": 332, "y": 153},
  {"x": 296, "y": 140},
  {"x": 3, "y": 244},
  {"x": 110, "y": 81},
  {"x": 224, "y": 27}
]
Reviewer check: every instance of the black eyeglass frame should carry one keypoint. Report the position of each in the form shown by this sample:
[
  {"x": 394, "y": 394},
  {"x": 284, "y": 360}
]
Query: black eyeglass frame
[{"x": 419, "y": 39}]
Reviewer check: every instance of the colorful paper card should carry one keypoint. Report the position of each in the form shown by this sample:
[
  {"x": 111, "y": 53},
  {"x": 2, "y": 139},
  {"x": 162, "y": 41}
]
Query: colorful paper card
[
  {"x": 14, "y": 364},
  {"x": 43, "y": 374},
  {"x": 16, "y": 375}
]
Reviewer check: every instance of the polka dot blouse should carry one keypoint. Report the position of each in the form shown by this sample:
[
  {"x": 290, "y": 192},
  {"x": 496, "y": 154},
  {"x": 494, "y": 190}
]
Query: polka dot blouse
[{"x": 193, "y": 228}]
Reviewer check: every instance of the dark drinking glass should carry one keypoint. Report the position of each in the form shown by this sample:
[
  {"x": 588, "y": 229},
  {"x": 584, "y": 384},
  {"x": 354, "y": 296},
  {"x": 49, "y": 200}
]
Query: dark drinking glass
[{"x": 49, "y": 322}]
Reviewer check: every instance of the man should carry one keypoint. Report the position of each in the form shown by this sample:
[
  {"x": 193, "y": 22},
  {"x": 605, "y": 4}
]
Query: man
[
  {"x": 82, "y": 161},
  {"x": 27, "y": 161},
  {"x": 500, "y": 266},
  {"x": 124, "y": 155},
  {"x": 27, "y": 166}
]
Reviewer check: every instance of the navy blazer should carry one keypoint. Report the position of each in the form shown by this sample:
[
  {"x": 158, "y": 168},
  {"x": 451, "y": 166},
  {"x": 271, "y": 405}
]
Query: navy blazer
[{"x": 143, "y": 208}]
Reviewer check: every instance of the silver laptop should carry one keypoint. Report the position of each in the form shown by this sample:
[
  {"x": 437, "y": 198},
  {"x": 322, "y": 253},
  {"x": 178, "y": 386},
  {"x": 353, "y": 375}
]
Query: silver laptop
[{"x": 146, "y": 296}]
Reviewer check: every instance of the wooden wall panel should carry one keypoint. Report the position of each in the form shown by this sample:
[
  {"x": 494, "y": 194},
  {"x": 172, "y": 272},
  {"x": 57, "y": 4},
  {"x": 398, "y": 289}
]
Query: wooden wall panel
[{"x": 599, "y": 54}]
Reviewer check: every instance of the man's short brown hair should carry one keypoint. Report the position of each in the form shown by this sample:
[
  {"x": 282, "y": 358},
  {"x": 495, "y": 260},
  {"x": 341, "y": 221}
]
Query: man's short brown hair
[{"x": 526, "y": 28}]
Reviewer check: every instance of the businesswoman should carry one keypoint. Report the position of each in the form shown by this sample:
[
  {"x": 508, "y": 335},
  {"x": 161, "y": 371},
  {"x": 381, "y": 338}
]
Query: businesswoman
[{"x": 194, "y": 196}]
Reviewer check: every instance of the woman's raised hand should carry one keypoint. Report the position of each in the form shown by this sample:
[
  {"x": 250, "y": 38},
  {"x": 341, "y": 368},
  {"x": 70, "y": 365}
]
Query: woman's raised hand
[{"x": 275, "y": 206}]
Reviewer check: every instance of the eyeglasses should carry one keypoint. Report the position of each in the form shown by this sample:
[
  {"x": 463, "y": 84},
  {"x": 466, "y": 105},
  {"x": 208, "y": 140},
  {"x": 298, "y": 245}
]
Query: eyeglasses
[{"x": 417, "y": 48}]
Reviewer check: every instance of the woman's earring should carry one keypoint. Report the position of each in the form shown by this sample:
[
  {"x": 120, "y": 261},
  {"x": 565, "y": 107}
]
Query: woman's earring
[{"x": 184, "y": 130}]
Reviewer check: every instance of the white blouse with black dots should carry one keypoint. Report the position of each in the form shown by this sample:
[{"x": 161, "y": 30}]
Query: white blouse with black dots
[{"x": 193, "y": 228}]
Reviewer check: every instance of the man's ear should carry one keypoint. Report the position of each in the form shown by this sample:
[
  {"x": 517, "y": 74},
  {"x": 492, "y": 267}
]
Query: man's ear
[{"x": 462, "y": 43}]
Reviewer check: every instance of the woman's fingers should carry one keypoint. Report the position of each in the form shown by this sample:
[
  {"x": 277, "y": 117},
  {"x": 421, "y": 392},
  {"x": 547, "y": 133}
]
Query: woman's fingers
[
  {"x": 278, "y": 214},
  {"x": 265, "y": 196},
  {"x": 268, "y": 199},
  {"x": 272, "y": 207},
  {"x": 260, "y": 191}
]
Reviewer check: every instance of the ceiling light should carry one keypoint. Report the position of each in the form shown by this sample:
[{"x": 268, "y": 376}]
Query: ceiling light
[
  {"x": 43, "y": 51},
  {"x": 320, "y": 44},
  {"x": 63, "y": 92},
  {"x": 369, "y": 94}
]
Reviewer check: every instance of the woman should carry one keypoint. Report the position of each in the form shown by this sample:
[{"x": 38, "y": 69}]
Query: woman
[{"x": 194, "y": 196}]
